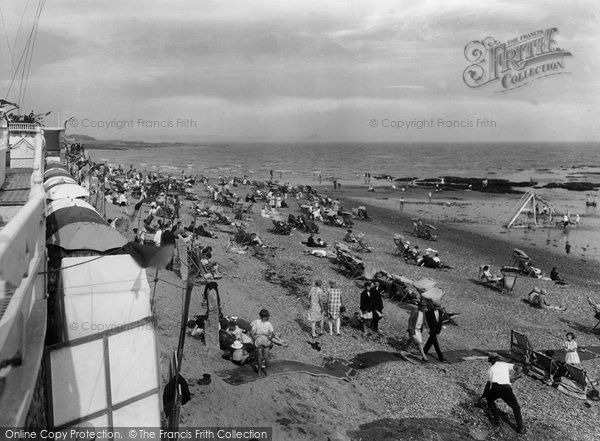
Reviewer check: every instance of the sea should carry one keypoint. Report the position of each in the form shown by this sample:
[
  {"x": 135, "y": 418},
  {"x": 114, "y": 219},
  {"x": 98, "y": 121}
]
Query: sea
[{"x": 304, "y": 162}]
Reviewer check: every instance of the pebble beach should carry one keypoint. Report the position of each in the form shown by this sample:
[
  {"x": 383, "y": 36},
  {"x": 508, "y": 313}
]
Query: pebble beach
[{"x": 409, "y": 399}]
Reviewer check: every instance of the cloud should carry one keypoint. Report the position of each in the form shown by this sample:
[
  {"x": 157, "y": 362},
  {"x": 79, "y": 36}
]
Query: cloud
[{"x": 320, "y": 64}]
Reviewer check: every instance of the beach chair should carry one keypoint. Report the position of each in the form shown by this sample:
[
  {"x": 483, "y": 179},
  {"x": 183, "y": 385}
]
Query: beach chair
[
  {"x": 523, "y": 262},
  {"x": 201, "y": 267},
  {"x": 576, "y": 383},
  {"x": 242, "y": 236},
  {"x": 504, "y": 284},
  {"x": 281, "y": 228},
  {"x": 310, "y": 226},
  {"x": 424, "y": 231},
  {"x": 542, "y": 367},
  {"x": 222, "y": 219},
  {"x": 247, "y": 207},
  {"x": 346, "y": 219},
  {"x": 351, "y": 265},
  {"x": 361, "y": 245},
  {"x": 520, "y": 348},
  {"x": 360, "y": 213},
  {"x": 304, "y": 209},
  {"x": 596, "y": 310}
]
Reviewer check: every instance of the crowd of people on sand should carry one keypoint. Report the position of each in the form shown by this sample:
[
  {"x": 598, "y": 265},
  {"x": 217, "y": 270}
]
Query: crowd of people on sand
[{"x": 250, "y": 343}]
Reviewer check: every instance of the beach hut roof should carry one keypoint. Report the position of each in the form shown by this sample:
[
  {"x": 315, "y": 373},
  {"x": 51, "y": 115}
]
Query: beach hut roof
[
  {"x": 67, "y": 190},
  {"x": 57, "y": 180},
  {"x": 79, "y": 228},
  {"x": 59, "y": 204},
  {"x": 56, "y": 172}
]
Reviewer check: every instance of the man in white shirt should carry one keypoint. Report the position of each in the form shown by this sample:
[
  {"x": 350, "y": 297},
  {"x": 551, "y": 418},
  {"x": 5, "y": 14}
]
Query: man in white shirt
[{"x": 499, "y": 387}]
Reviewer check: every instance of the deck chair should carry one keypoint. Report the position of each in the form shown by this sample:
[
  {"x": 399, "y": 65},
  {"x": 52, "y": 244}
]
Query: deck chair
[
  {"x": 310, "y": 226},
  {"x": 542, "y": 367},
  {"x": 520, "y": 348},
  {"x": 202, "y": 268},
  {"x": 346, "y": 219},
  {"x": 242, "y": 236},
  {"x": 353, "y": 267},
  {"x": 523, "y": 262},
  {"x": 596, "y": 309},
  {"x": 505, "y": 284},
  {"x": 361, "y": 245},
  {"x": 222, "y": 219},
  {"x": 576, "y": 384},
  {"x": 282, "y": 228},
  {"x": 305, "y": 209}
]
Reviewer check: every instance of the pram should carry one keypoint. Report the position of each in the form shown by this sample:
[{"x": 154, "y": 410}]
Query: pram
[
  {"x": 504, "y": 284},
  {"x": 423, "y": 230},
  {"x": 360, "y": 213},
  {"x": 524, "y": 265}
]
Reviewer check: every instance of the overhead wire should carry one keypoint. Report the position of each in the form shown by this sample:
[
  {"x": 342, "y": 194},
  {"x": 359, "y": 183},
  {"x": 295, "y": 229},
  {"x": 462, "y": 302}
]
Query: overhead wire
[
  {"x": 10, "y": 49},
  {"x": 28, "y": 59}
]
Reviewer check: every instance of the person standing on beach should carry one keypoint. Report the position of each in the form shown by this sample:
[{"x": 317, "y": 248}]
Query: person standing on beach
[
  {"x": 377, "y": 301},
  {"x": 433, "y": 317},
  {"x": 415, "y": 329},
  {"x": 401, "y": 204},
  {"x": 334, "y": 306},
  {"x": 264, "y": 336},
  {"x": 212, "y": 302},
  {"x": 366, "y": 308},
  {"x": 430, "y": 196},
  {"x": 570, "y": 346},
  {"x": 499, "y": 387},
  {"x": 315, "y": 313},
  {"x": 567, "y": 247}
]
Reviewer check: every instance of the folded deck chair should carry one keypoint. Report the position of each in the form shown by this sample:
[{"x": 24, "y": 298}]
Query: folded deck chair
[{"x": 520, "y": 348}]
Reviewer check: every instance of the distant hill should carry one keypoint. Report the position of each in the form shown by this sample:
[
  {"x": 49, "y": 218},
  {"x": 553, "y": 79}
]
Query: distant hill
[{"x": 80, "y": 138}]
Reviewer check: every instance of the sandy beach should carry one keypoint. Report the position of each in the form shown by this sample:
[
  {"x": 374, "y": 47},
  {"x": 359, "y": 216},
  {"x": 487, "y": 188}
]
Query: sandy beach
[{"x": 421, "y": 399}]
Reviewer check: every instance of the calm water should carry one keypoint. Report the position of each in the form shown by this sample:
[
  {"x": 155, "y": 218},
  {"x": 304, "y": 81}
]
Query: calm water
[{"x": 303, "y": 162}]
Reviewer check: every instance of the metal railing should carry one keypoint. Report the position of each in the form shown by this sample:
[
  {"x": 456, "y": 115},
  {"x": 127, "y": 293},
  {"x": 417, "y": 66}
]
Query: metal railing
[{"x": 22, "y": 127}]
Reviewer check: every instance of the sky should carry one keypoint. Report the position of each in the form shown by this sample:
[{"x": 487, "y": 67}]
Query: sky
[{"x": 299, "y": 70}]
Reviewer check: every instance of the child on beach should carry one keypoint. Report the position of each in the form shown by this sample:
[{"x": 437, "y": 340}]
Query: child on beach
[
  {"x": 571, "y": 355},
  {"x": 264, "y": 337}
]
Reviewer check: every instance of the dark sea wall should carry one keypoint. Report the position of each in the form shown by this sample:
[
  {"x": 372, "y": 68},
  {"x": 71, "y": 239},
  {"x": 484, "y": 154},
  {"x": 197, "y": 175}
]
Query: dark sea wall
[{"x": 574, "y": 186}]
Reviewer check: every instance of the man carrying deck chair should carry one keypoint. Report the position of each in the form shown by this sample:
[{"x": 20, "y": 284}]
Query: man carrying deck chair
[{"x": 499, "y": 387}]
